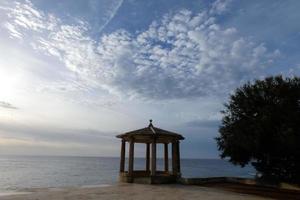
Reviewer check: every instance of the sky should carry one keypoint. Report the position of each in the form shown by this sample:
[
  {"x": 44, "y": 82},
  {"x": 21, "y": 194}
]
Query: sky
[{"x": 75, "y": 73}]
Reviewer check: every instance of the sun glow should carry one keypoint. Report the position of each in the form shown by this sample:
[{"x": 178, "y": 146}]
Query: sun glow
[{"x": 8, "y": 83}]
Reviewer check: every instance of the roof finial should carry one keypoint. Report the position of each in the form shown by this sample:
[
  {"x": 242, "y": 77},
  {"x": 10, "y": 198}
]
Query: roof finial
[{"x": 150, "y": 124}]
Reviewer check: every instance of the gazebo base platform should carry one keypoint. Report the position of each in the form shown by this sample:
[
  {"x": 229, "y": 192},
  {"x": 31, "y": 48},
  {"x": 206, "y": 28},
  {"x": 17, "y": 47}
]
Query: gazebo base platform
[{"x": 145, "y": 178}]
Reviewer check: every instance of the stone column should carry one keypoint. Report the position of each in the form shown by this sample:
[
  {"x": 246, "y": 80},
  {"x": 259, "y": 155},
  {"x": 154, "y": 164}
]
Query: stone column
[
  {"x": 174, "y": 159},
  {"x": 178, "y": 159},
  {"x": 131, "y": 158},
  {"x": 122, "y": 159},
  {"x": 147, "y": 157},
  {"x": 166, "y": 157},
  {"x": 153, "y": 158}
]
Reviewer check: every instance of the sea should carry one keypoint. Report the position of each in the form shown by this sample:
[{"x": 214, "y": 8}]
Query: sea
[{"x": 23, "y": 172}]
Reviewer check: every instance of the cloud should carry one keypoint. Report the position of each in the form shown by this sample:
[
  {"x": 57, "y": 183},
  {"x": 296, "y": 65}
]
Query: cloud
[
  {"x": 13, "y": 32},
  {"x": 184, "y": 55},
  {"x": 7, "y": 105},
  {"x": 56, "y": 135},
  {"x": 220, "y": 6},
  {"x": 26, "y": 17},
  {"x": 33, "y": 140}
]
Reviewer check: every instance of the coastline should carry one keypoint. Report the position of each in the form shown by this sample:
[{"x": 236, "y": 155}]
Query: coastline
[
  {"x": 26, "y": 191},
  {"x": 129, "y": 191},
  {"x": 185, "y": 188},
  {"x": 11, "y": 193}
]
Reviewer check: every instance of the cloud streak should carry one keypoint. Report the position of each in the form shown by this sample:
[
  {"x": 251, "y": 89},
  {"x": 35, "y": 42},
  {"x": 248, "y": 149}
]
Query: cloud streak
[
  {"x": 7, "y": 105},
  {"x": 109, "y": 13},
  {"x": 56, "y": 135}
]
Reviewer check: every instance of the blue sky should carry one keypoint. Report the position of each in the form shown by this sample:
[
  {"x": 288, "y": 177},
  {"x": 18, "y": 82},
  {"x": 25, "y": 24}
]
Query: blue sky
[{"x": 73, "y": 74}]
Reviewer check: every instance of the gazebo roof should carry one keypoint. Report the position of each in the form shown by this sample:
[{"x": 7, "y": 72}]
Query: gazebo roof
[{"x": 150, "y": 133}]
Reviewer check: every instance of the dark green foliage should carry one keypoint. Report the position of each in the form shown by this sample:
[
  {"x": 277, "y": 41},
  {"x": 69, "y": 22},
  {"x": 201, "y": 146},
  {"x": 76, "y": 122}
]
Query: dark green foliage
[{"x": 261, "y": 124}]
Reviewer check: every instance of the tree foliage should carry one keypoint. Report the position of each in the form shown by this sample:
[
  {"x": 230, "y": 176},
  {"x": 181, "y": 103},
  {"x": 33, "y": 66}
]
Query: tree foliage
[{"x": 261, "y": 125}]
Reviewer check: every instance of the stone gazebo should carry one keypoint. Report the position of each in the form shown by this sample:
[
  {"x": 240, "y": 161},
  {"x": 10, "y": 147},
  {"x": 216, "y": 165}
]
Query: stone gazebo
[{"x": 150, "y": 135}]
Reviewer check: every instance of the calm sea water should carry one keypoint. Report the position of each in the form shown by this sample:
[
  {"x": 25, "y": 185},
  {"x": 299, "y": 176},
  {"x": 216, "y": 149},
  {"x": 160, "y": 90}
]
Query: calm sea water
[{"x": 17, "y": 172}]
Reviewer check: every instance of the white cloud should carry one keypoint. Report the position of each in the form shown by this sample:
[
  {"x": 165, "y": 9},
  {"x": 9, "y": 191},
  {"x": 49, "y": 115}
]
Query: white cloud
[
  {"x": 220, "y": 6},
  {"x": 184, "y": 55},
  {"x": 25, "y": 17},
  {"x": 13, "y": 32}
]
